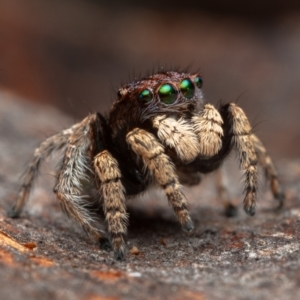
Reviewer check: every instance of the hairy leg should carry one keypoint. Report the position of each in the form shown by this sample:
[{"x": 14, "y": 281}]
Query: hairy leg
[
  {"x": 75, "y": 169},
  {"x": 266, "y": 162},
  {"x": 46, "y": 148},
  {"x": 240, "y": 135},
  {"x": 114, "y": 206},
  {"x": 146, "y": 146}
]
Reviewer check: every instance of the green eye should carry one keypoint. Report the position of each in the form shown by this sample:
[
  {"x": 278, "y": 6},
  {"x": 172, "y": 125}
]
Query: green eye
[
  {"x": 187, "y": 88},
  {"x": 145, "y": 96},
  {"x": 198, "y": 82},
  {"x": 167, "y": 93}
]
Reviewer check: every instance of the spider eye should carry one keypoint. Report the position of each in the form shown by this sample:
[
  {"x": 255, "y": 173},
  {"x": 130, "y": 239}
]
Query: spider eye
[
  {"x": 167, "y": 93},
  {"x": 187, "y": 88},
  {"x": 145, "y": 96},
  {"x": 199, "y": 82},
  {"x": 119, "y": 94}
]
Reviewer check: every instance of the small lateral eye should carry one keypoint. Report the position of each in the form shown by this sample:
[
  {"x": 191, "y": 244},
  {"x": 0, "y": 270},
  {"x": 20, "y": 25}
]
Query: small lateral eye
[
  {"x": 187, "y": 88},
  {"x": 119, "y": 94},
  {"x": 199, "y": 82},
  {"x": 167, "y": 93},
  {"x": 145, "y": 96}
]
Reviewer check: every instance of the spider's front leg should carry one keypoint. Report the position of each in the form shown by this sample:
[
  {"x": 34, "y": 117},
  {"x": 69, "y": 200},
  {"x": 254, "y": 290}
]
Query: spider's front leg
[
  {"x": 239, "y": 131},
  {"x": 208, "y": 125},
  {"x": 113, "y": 193},
  {"x": 218, "y": 132},
  {"x": 251, "y": 153},
  {"x": 146, "y": 146},
  {"x": 179, "y": 135}
]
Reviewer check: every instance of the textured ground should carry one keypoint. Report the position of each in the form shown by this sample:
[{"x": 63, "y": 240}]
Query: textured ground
[{"x": 43, "y": 255}]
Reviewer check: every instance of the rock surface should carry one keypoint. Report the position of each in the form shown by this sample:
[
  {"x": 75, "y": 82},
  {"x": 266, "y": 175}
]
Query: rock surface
[{"x": 43, "y": 255}]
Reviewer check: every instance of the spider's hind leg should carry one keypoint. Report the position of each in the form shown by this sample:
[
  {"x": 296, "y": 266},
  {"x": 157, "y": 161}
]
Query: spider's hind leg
[
  {"x": 230, "y": 210},
  {"x": 270, "y": 172},
  {"x": 76, "y": 169},
  {"x": 46, "y": 148},
  {"x": 114, "y": 206},
  {"x": 188, "y": 178}
]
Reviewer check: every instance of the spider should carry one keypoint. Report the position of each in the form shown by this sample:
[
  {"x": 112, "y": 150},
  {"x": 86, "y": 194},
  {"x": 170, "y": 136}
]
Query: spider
[{"x": 158, "y": 131}]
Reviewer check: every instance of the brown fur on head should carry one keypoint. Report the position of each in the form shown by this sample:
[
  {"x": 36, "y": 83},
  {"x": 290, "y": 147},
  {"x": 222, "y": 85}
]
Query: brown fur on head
[{"x": 129, "y": 97}]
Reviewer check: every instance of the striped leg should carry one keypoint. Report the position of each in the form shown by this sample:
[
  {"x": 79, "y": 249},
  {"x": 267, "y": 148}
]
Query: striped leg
[
  {"x": 162, "y": 170},
  {"x": 271, "y": 174},
  {"x": 241, "y": 137},
  {"x": 113, "y": 193}
]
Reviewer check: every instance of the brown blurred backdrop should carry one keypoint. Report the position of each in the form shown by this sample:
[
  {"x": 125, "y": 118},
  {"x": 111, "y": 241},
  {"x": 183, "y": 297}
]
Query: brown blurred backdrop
[{"x": 74, "y": 53}]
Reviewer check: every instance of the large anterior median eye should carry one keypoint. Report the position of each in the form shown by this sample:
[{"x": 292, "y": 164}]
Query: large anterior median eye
[
  {"x": 145, "y": 96},
  {"x": 167, "y": 93},
  {"x": 187, "y": 88},
  {"x": 199, "y": 82}
]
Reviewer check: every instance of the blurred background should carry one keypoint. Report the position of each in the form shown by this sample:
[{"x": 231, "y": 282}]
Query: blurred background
[{"x": 74, "y": 54}]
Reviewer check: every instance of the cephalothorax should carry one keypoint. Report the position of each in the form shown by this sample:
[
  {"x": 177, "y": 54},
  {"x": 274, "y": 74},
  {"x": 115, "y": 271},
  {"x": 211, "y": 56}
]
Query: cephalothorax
[{"x": 158, "y": 131}]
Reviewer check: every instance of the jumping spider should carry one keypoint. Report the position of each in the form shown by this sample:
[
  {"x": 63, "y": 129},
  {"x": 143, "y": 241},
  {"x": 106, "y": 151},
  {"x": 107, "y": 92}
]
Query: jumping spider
[{"x": 158, "y": 131}]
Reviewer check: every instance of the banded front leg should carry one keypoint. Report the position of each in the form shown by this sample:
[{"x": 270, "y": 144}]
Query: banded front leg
[
  {"x": 113, "y": 193},
  {"x": 145, "y": 145},
  {"x": 240, "y": 130}
]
